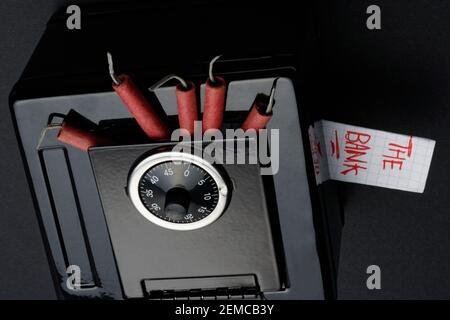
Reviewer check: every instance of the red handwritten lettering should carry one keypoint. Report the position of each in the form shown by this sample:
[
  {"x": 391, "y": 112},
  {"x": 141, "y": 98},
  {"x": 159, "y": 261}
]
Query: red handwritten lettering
[
  {"x": 317, "y": 154},
  {"x": 335, "y": 150},
  {"x": 352, "y": 167},
  {"x": 355, "y": 148},
  {"x": 353, "y": 156},
  {"x": 398, "y": 155},
  {"x": 392, "y": 163},
  {"x": 358, "y": 137}
]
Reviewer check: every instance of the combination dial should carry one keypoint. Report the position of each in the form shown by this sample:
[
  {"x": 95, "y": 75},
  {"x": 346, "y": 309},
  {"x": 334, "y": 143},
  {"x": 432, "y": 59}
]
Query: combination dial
[{"x": 178, "y": 190}]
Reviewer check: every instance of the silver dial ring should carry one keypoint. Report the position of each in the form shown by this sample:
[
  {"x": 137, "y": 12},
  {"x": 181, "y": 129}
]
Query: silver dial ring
[{"x": 154, "y": 160}]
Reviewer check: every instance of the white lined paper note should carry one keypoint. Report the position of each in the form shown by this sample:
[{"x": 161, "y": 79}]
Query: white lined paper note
[{"x": 372, "y": 157}]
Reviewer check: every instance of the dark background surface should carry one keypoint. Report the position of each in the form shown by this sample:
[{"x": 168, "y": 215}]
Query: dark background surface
[{"x": 393, "y": 79}]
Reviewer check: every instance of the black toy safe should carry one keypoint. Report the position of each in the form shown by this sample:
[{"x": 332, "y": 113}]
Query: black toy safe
[{"x": 285, "y": 247}]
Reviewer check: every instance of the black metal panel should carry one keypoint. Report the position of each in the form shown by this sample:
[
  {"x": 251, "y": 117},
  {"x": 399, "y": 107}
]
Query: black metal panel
[
  {"x": 66, "y": 210},
  {"x": 240, "y": 242}
]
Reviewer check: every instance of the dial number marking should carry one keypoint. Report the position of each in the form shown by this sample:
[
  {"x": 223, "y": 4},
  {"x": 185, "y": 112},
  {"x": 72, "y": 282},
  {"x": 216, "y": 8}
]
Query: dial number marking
[
  {"x": 168, "y": 175},
  {"x": 177, "y": 190}
]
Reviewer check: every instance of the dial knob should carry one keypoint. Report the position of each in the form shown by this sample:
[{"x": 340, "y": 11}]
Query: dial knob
[
  {"x": 177, "y": 203},
  {"x": 178, "y": 191}
]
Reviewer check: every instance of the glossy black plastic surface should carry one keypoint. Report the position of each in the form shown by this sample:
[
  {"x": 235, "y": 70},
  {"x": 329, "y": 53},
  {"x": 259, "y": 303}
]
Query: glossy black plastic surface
[{"x": 240, "y": 242}]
